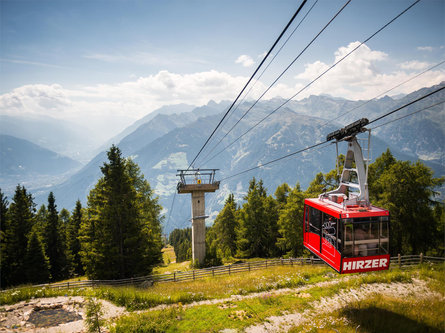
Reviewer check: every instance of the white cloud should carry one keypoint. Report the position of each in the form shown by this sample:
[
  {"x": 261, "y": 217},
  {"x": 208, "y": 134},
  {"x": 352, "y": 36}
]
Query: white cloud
[
  {"x": 159, "y": 58},
  {"x": 32, "y": 63},
  {"x": 425, "y": 48},
  {"x": 362, "y": 75},
  {"x": 111, "y": 107},
  {"x": 414, "y": 64},
  {"x": 245, "y": 60},
  {"x": 35, "y": 99}
]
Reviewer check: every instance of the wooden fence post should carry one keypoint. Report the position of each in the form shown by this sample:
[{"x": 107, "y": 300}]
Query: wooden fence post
[
  {"x": 291, "y": 262},
  {"x": 174, "y": 276},
  {"x": 421, "y": 258},
  {"x": 229, "y": 269},
  {"x": 281, "y": 260},
  {"x": 193, "y": 274},
  {"x": 213, "y": 271},
  {"x": 399, "y": 260}
]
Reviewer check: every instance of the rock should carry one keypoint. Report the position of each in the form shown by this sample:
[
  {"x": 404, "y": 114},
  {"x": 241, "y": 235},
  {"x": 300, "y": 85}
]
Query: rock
[{"x": 146, "y": 284}]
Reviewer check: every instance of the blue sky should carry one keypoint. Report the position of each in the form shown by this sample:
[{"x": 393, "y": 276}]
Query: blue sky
[{"x": 120, "y": 60}]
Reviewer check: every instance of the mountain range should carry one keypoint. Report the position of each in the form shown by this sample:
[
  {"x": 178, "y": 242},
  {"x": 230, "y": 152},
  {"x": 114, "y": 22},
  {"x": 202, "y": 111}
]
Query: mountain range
[
  {"x": 22, "y": 161},
  {"x": 168, "y": 140}
]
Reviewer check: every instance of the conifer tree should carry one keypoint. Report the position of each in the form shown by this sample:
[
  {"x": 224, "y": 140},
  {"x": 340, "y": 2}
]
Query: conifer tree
[
  {"x": 281, "y": 194},
  {"x": 116, "y": 233},
  {"x": 271, "y": 212},
  {"x": 181, "y": 240},
  {"x": 40, "y": 221},
  {"x": 407, "y": 191},
  {"x": 36, "y": 262},
  {"x": 290, "y": 224},
  {"x": 3, "y": 214},
  {"x": 53, "y": 241},
  {"x": 73, "y": 241},
  {"x": 212, "y": 257},
  {"x": 225, "y": 229},
  {"x": 20, "y": 219},
  {"x": 3, "y": 211},
  {"x": 150, "y": 212},
  {"x": 64, "y": 222},
  {"x": 253, "y": 223}
]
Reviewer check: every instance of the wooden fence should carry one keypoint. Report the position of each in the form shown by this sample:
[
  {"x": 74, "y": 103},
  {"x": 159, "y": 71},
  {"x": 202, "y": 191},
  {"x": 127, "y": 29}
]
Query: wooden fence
[{"x": 145, "y": 281}]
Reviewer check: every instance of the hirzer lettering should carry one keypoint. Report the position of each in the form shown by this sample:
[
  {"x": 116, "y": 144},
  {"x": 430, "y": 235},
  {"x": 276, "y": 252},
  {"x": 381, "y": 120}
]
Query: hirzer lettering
[{"x": 365, "y": 264}]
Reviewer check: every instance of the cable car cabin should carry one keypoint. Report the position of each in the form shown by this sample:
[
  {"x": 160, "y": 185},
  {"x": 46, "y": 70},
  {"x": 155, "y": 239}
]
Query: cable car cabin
[
  {"x": 341, "y": 226},
  {"x": 349, "y": 240}
]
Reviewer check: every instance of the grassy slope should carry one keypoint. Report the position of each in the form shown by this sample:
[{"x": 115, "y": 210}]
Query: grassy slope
[{"x": 374, "y": 314}]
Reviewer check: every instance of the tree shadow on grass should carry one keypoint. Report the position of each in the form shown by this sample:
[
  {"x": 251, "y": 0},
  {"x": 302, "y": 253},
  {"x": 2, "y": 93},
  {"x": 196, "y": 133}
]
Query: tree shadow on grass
[{"x": 376, "y": 320}]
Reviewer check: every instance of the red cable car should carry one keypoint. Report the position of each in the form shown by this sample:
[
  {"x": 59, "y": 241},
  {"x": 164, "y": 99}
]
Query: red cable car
[{"x": 341, "y": 227}]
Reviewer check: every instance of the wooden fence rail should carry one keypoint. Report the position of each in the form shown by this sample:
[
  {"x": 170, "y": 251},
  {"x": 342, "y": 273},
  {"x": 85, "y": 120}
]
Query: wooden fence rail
[{"x": 145, "y": 281}]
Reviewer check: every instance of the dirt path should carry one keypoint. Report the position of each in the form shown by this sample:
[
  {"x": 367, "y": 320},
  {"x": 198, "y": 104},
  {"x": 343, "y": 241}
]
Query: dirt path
[
  {"x": 235, "y": 298},
  {"x": 417, "y": 288},
  {"x": 15, "y": 318}
]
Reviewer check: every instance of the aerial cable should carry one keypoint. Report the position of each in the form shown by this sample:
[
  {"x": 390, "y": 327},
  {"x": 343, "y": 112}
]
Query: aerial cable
[
  {"x": 408, "y": 104},
  {"x": 245, "y": 86},
  {"x": 409, "y": 114},
  {"x": 318, "y": 77},
  {"x": 383, "y": 93},
  {"x": 264, "y": 70},
  {"x": 282, "y": 73},
  {"x": 327, "y": 141},
  {"x": 277, "y": 159}
]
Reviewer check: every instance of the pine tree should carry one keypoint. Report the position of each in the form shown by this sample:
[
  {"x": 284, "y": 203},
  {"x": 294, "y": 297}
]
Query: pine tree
[
  {"x": 253, "y": 223},
  {"x": 181, "y": 240},
  {"x": 282, "y": 193},
  {"x": 407, "y": 191},
  {"x": 212, "y": 258},
  {"x": 3, "y": 211},
  {"x": 290, "y": 224},
  {"x": 53, "y": 242},
  {"x": 20, "y": 219},
  {"x": 225, "y": 229},
  {"x": 64, "y": 222},
  {"x": 150, "y": 211},
  {"x": 36, "y": 262},
  {"x": 3, "y": 214},
  {"x": 119, "y": 236},
  {"x": 271, "y": 212},
  {"x": 40, "y": 221},
  {"x": 73, "y": 241},
  {"x": 88, "y": 237},
  {"x": 376, "y": 170}
]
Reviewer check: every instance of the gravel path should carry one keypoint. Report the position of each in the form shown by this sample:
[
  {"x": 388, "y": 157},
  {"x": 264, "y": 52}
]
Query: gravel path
[
  {"x": 326, "y": 305},
  {"x": 14, "y": 318},
  {"x": 235, "y": 298}
]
